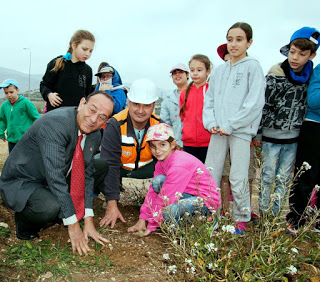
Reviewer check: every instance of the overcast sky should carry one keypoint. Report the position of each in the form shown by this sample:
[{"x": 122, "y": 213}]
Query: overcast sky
[{"x": 146, "y": 38}]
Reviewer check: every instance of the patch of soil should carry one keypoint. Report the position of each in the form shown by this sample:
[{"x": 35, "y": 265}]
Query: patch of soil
[{"x": 133, "y": 258}]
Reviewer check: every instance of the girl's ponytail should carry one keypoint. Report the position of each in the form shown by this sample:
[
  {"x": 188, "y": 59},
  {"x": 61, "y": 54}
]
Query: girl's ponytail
[
  {"x": 77, "y": 37},
  {"x": 183, "y": 108}
]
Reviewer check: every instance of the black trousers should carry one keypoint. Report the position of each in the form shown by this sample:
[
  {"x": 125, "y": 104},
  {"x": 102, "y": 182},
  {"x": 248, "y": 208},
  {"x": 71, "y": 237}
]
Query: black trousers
[
  {"x": 43, "y": 208},
  {"x": 308, "y": 151},
  {"x": 198, "y": 152}
]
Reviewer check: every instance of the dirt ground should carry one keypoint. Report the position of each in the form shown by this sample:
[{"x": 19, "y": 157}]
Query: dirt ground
[{"x": 133, "y": 258}]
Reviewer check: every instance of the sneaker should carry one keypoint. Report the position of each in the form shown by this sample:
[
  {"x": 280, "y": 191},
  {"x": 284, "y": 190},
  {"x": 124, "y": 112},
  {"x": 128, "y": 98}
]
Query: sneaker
[
  {"x": 317, "y": 228},
  {"x": 240, "y": 228},
  {"x": 291, "y": 230},
  {"x": 254, "y": 218}
]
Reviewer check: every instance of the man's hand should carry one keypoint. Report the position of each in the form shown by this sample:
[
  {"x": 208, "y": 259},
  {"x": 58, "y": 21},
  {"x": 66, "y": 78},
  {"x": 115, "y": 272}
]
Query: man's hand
[
  {"x": 112, "y": 214},
  {"x": 78, "y": 241},
  {"x": 90, "y": 231},
  {"x": 4, "y": 139},
  {"x": 54, "y": 99}
]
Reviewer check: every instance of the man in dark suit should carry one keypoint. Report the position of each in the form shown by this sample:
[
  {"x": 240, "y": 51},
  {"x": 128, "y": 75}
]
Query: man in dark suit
[{"x": 35, "y": 178}]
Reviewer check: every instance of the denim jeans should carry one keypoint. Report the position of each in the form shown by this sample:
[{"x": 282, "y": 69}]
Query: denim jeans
[
  {"x": 277, "y": 164},
  {"x": 188, "y": 204}
]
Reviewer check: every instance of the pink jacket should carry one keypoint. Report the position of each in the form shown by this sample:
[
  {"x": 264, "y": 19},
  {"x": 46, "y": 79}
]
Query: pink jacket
[
  {"x": 193, "y": 132},
  {"x": 184, "y": 174}
]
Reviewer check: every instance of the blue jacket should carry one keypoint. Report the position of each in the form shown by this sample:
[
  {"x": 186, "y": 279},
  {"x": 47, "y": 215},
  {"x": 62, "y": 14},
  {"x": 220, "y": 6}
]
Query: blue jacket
[
  {"x": 313, "y": 97},
  {"x": 118, "y": 95}
]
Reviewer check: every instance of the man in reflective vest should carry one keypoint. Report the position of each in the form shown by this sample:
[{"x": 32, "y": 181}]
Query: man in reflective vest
[{"x": 124, "y": 147}]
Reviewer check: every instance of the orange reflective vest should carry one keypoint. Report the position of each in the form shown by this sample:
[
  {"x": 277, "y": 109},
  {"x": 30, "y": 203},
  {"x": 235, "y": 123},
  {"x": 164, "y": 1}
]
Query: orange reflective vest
[{"x": 134, "y": 156}]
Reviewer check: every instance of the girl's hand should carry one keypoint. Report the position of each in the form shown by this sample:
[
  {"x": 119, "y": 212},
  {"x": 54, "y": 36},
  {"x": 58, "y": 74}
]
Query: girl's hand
[
  {"x": 54, "y": 99},
  {"x": 222, "y": 132},
  {"x": 140, "y": 225},
  {"x": 214, "y": 130},
  {"x": 104, "y": 86}
]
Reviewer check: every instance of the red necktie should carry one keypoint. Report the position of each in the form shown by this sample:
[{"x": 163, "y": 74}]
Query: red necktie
[{"x": 78, "y": 180}]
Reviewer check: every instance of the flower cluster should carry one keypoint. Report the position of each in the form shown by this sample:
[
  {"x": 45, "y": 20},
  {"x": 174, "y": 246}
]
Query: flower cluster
[
  {"x": 211, "y": 247},
  {"x": 172, "y": 269},
  {"x": 229, "y": 228},
  {"x": 292, "y": 270},
  {"x": 166, "y": 256},
  {"x": 306, "y": 166},
  {"x": 199, "y": 171}
]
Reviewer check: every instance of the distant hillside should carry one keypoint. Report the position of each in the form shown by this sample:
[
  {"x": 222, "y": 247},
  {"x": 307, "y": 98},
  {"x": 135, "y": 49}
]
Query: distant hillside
[{"x": 21, "y": 78}]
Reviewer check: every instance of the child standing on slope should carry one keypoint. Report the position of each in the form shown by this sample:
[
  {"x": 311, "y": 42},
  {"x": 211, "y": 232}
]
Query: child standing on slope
[
  {"x": 232, "y": 112},
  {"x": 16, "y": 114},
  {"x": 181, "y": 184},
  {"x": 68, "y": 78},
  {"x": 170, "y": 106},
  {"x": 282, "y": 116},
  {"x": 194, "y": 136}
]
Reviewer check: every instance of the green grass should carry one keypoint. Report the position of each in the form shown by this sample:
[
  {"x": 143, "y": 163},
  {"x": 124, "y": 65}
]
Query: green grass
[{"x": 33, "y": 260}]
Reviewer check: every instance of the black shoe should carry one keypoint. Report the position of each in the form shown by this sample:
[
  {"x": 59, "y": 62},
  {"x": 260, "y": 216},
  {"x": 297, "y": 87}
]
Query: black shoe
[{"x": 24, "y": 235}]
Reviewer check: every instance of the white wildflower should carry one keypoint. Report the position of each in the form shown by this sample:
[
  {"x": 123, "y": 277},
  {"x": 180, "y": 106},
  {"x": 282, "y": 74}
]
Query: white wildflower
[
  {"x": 188, "y": 261},
  {"x": 202, "y": 217},
  {"x": 229, "y": 254},
  {"x": 193, "y": 270},
  {"x": 209, "y": 168},
  {"x": 306, "y": 166},
  {"x": 199, "y": 171},
  {"x": 294, "y": 250},
  {"x": 165, "y": 198},
  {"x": 166, "y": 256},
  {"x": 174, "y": 242},
  {"x": 211, "y": 247},
  {"x": 292, "y": 270},
  {"x": 172, "y": 269},
  {"x": 218, "y": 189},
  {"x": 229, "y": 228},
  {"x": 188, "y": 269},
  {"x": 317, "y": 188},
  {"x": 178, "y": 195},
  {"x": 210, "y": 265},
  {"x": 155, "y": 214},
  {"x": 196, "y": 244}
]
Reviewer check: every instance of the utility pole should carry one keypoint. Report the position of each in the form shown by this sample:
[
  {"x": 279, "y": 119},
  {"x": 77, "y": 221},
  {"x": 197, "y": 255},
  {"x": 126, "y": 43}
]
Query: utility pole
[{"x": 29, "y": 67}]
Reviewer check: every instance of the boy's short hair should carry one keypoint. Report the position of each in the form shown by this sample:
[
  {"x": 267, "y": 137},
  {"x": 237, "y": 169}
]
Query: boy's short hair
[
  {"x": 305, "y": 38},
  {"x": 304, "y": 44},
  {"x": 9, "y": 82}
]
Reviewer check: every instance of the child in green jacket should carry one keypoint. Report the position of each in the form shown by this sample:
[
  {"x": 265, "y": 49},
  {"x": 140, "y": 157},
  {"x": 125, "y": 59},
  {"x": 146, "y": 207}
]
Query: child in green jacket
[{"x": 16, "y": 114}]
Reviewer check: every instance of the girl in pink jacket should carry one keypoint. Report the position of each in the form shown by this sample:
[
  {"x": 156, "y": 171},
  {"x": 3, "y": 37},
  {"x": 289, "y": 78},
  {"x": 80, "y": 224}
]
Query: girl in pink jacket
[{"x": 181, "y": 184}]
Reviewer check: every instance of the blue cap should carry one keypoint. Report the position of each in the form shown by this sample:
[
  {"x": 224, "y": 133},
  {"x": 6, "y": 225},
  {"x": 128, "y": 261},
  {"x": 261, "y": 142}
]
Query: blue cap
[
  {"x": 305, "y": 32},
  {"x": 8, "y": 82}
]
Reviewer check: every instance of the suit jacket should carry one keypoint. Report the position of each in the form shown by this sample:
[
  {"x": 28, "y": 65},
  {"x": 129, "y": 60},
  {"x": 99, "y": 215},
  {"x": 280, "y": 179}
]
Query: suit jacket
[{"x": 44, "y": 155}]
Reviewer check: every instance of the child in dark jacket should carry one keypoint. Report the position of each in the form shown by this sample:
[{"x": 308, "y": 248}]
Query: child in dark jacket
[
  {"x": 68, "y": 78},
  {"x": 282, "y": 117}
]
